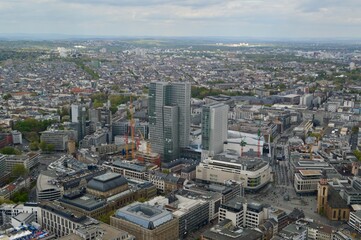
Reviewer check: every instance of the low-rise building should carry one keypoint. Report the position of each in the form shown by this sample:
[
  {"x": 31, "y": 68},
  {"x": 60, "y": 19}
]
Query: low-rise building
[
  {"x": 355, "y": 221},
  {"x": 243, "y": 213},
  {"x": 146, "y": 222},
  {"x": 107, "y": 185},
  {"x": 252, "y": 173},
  {"x": 98, "y": 231},
  {"x": 226, "y": 230}
]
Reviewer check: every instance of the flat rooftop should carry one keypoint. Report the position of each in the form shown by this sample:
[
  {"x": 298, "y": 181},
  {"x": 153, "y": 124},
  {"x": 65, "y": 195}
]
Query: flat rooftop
[
  {"x": 310, "y": 173},
  {"x": 107, "y": 177},
  {"x": 87, "y": 202},
  {"x": 144, "y": 215}
]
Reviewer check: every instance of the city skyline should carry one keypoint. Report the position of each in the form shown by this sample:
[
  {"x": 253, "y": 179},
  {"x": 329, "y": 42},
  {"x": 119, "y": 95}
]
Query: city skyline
[{"x": 245, "y": 18}]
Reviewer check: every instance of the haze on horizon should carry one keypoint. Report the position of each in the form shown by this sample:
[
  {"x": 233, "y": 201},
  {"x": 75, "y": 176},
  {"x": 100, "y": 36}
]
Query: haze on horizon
[{"x": 199, "y": 18}]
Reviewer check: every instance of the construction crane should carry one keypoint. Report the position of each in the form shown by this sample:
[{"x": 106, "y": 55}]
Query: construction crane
[
  {"x": 259, "y": 140},
  {"x": 126, "y": 145},
  {"x": 132, "y": 126}
]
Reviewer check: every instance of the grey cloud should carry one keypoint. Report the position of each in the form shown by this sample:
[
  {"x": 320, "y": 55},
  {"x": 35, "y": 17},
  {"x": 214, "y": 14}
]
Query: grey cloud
[{"x": 317, "y": 5}]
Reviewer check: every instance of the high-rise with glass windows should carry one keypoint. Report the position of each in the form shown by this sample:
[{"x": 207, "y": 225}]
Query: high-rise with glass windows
[
  {"x": 214, "y": 127},
  {"x": 169, "y": 118}
]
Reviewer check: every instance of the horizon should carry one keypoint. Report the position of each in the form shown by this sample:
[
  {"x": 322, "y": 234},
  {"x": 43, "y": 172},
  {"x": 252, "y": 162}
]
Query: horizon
[{"x": 71, "y": 37}]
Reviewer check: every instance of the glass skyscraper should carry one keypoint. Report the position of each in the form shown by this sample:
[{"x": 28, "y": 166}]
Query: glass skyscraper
[{"x": 169, "y": 118}]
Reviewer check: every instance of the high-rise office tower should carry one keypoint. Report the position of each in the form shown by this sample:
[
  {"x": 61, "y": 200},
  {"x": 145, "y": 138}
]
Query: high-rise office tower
[
  {"x": 75, "y": 109},
  {"x": 78, "y": 116},
  {"x": 214, "y": 127},
  {"x": 169, "y": 118}
]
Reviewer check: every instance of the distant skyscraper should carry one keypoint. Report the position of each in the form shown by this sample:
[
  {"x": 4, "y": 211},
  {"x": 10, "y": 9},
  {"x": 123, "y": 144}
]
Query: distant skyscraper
[
  {"x": 214, "y": 127},
  {"x": 75, "y": 109},
  {"x": 169, "y": 118},
  {"x": 78, "y": 115}
]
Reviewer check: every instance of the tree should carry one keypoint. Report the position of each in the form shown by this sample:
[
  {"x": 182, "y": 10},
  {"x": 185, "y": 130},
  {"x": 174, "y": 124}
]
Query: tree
[
  {"x": 32, "y": 125},
  {"x": 10, "y": 151},
  {"x": 7, "y": 96},
  {"x": 34, "y": 146},
  {"x": 43, "y": 146},
  {"x": 21, "y": 196},
  {"x": 357, "y": 154},
  {"x": 105, "y": 218},
  {"x": 50, "y": 147},
  {"x": 19, "y": 170}
]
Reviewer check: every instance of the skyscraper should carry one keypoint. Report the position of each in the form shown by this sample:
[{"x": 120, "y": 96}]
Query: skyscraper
[
  {"x": 78, "y": 116},
  {"x": 214, "y": 127},
  {"x": 169, "y": 118}
]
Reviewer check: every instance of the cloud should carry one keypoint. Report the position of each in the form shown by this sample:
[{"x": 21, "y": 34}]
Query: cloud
[{"x": 259, "y": 18}]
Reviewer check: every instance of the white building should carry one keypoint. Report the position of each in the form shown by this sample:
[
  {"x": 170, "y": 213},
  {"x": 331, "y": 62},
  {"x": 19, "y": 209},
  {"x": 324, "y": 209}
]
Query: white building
[
  {"x": 355, "y": 220},
  {"x": 17, "y": 137},
  {"x": 252, "y": 173},
  {"x": 243, "y": 213}
]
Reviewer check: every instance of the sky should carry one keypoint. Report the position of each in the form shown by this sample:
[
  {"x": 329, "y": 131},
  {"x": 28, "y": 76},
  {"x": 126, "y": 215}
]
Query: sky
[{"x": 198, "y": 18}]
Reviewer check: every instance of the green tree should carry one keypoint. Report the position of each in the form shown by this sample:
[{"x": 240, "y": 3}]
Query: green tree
[
  {"x": 50, "y": 147},
  {"x": 32, "y": 125},
  {"x": 19, "y": 170},
  {"x": 34, "y": 146},
  {"x": 21, "y": 196},
  {"x": 43, "y": 146},
  {"x": 7, "y": 96},
  {"x": 10, "y": 151},
  {"x": 357, "y": 154},
  {"x": 105, "y": 218}
]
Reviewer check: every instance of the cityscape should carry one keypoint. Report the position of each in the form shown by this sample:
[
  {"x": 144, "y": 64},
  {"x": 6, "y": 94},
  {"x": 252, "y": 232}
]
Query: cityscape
[{"x": 189, "y": 136}]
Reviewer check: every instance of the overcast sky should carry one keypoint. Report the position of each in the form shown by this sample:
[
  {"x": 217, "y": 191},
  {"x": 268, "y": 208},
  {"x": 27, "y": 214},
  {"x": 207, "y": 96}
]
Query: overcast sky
[{"x": 250, "y": 18}]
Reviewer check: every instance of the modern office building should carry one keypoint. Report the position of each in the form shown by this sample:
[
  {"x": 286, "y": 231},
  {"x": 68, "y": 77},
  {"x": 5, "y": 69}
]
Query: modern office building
[
  {"x": 169, "y": 118},
  {"x": 214, "y": 127},
  {"x": 146, "y": 222},
  {"x": 78, "y": 116},
  {"x": 243, "y": 213},
  {"x": 191, "y": 210},
  {"x": 355, "y": 221},
  {"x": 58, "y": 138}
]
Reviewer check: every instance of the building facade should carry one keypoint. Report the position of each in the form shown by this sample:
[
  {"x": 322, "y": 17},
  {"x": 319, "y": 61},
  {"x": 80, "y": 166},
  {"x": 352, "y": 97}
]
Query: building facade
[
  {"x": 169, "y": 118},
  {"x": 214, "y": 127}
]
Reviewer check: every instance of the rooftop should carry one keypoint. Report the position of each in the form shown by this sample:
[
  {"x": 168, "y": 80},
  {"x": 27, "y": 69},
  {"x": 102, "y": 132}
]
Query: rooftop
[
  {"x": 226, "y": 231},
  {"x": 107, "y": 181},
  {"x": 310, "y": 173},
  {"x": 145, "y": 215},
  {"x": 84, "y": 201}
]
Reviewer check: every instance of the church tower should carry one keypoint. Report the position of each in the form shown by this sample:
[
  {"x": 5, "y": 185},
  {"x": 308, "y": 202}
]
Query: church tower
[{"x": 322, "y": 193}]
